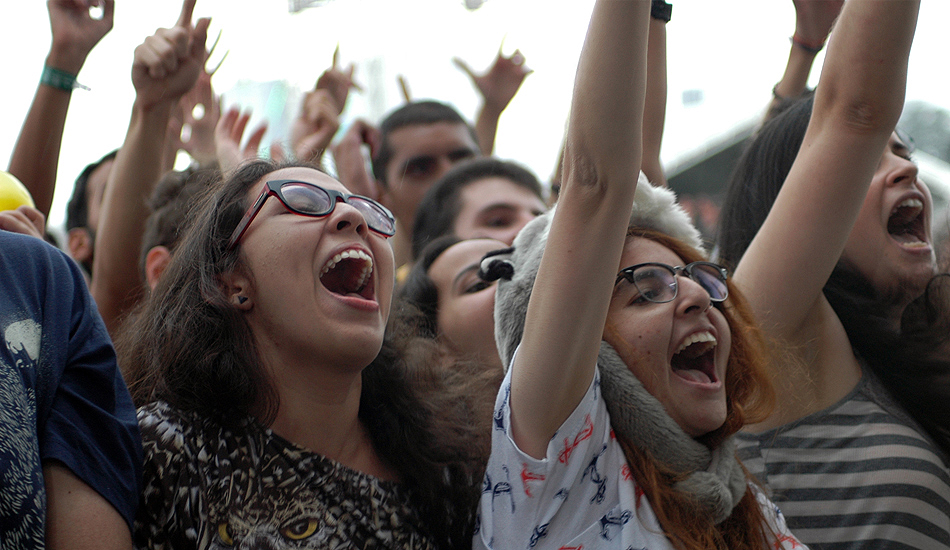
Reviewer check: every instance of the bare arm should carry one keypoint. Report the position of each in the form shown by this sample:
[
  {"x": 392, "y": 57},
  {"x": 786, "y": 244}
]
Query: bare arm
[
  {"x": 568, "y": 306},
  {"x": 654, "y": 108},
  {"x": 857, "y": 104},
  {"x": 813, "y": 22},
  {"x": 79, "y": 518},
  {"x": 165, "y": 67},
  {"x": 36, "y": 153}
]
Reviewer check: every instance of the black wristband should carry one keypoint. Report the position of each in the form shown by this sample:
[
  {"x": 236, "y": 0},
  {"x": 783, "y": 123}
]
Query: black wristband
[{"x": 661, "y": 10}]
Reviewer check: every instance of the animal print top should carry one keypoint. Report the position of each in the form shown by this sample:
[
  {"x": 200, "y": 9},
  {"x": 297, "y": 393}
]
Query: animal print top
[{"x": 208, "y": 487}]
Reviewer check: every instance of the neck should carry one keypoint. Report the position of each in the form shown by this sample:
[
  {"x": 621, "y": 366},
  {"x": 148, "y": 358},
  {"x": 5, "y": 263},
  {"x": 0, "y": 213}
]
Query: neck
[{"x": 320, "y": 411}]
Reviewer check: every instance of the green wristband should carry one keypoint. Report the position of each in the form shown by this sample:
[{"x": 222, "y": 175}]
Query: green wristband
[{"x": 61, "y": 80}]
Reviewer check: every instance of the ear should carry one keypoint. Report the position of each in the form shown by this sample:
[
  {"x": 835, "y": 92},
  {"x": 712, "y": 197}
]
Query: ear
[
  {"x": 155, "y": 263},
  {"x": 236, "y": 287},
  {"x": 80, "y": 244}
]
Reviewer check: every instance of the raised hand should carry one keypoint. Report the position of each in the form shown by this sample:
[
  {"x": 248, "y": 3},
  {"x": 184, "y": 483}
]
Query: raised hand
[
  {"x": 167, "y": 64},
  {"x": 228, "y": 136},
  {"x": 338, "y": 82},
  {"x": 75, "y": 32},
  {"x": 499, "y": 85},
  {"x": 315, "y": 126},
  {"x": 814, "y": 19},
  {"x": 200, "y": 142},
  {"x": 350, "y": 161}
]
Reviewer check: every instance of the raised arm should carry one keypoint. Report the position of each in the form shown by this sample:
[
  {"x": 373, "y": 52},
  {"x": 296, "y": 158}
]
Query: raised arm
[
  {"x": 813, "y": 22},
  {"x": 857, "y": 103},
  {"x": 568, "y": 305},
  {"x": 36, "y": 153},
  {"x": 165, "y": 67},
  {"x": 654, "y": 108}
]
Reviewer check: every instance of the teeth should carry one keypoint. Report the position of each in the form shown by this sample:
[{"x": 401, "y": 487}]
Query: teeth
[
  {"x": 355, "y": 254},
  {"x": 697, "y": 338},
  {"x": 911, "y": 203}
]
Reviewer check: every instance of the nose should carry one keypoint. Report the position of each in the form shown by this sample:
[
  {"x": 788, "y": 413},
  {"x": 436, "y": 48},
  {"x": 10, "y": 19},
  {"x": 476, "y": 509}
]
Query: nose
[
  {"x": 902, "y": 172},
  {"x": 691, "y": 297},
  {"x": 345, "y": 216}
]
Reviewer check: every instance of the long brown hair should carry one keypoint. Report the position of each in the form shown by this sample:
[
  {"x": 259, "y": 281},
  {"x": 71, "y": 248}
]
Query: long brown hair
[
  {"x": 190, "y": 347},
  {"x": 749, "y": 398}
]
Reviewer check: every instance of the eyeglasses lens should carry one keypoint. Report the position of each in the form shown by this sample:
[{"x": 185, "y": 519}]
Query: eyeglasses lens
[
  {"x": 306, "y": 199},
  {"x": 315, "y": 201},
  {"x": 655, "y": 283},
  {"x": 710, "y": 278}
]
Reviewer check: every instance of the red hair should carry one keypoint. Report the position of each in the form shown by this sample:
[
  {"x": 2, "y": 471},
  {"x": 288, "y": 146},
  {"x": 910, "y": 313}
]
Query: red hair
[{"x": 749, "y": 398}]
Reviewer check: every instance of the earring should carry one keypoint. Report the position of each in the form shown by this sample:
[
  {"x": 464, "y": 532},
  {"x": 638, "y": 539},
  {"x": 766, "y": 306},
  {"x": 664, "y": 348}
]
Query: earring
[{"x": 241, "y": 299}]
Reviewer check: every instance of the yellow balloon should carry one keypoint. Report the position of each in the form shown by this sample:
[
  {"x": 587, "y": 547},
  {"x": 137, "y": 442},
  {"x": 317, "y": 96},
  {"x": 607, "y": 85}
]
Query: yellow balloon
[{"x": 13, "y": 194}]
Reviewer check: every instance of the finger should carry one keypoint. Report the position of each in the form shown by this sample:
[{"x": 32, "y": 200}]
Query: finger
[
  {"x": 237, "y": 132},
  {"x": 226, "y": 124},
  {"x": 108, "y": 11},
  {"x": 187, "y": 10},
  {"x": 464, "y": 66},
  {"x": 198, "y": 37},
  {"x": 277, "y": 153},
  {"x": 35, "y": 216},
  {"x": 255, "y": 139},
  {"x": 218, "y": 66},
  {"x": 336, "y": 55},
  {"x": 404, "y": 87},
  {"x": 215, "y": 43}
]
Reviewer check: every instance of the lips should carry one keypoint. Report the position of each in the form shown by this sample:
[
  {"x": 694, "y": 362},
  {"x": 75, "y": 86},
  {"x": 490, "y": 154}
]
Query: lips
[
  {"x": 906, "y": 223},
  {"x": 349, "y": 273},
  {"x": 694, "y": 360}
]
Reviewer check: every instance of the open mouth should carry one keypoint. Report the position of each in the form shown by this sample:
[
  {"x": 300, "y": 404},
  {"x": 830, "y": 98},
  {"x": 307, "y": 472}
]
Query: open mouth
[
  {"x": 349, "y": 272},
  {"x": 695, "y": 359},
  {"x": 906, "y": 223}
]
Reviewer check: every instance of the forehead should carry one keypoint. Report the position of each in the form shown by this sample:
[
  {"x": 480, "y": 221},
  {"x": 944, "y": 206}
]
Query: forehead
[
  {"x": 461, "y": 256},
  {"x": 638, "y": 250},
  {"x": 496, "y": 190},
  {"x": 430, "y": 139},
  {"x": 308, "y": 175}
]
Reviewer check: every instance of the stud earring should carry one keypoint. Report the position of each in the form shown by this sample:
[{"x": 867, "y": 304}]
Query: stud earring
[{"x": 241, "y": 299}]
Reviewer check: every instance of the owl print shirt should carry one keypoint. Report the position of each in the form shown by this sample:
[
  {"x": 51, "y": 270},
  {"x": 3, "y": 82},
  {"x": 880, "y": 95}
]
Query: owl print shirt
[{"x": 209, "y": 487}]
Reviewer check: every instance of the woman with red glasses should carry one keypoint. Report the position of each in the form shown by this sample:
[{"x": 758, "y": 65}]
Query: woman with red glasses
[{"x": 272, "y": 410}]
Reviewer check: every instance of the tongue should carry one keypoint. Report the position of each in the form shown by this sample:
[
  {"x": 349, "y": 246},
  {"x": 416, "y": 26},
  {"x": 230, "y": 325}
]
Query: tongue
[
  {"x": 906, "y": 238},
  {"x": 693, "y": 375}
]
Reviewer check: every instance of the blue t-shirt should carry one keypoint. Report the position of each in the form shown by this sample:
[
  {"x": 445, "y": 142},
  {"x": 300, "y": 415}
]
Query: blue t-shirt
[{"x": 62, "y": 396}]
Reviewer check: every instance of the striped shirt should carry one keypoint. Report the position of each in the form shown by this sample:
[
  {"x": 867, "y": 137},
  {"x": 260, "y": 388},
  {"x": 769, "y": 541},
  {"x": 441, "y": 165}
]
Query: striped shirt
[{"x": 860, "y": 474}]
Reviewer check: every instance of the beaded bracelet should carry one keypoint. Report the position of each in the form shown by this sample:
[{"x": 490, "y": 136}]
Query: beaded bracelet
[{"x": 61, "y": 80}]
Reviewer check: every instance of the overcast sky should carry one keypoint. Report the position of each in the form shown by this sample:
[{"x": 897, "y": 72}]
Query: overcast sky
[{"x": 731, "y": 52}]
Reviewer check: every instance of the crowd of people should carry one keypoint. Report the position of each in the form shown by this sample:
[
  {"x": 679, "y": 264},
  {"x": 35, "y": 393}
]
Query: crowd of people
[{"x": 431, "y": 348}]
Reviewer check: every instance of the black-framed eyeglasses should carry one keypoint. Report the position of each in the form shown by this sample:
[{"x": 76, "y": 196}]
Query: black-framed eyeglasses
[
  {"x": 656, "y": 282},
  {"x": 309, "y": 199}
]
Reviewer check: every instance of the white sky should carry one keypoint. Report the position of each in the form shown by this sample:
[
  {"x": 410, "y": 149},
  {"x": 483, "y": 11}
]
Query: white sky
[{"x": 733, "y": 51}]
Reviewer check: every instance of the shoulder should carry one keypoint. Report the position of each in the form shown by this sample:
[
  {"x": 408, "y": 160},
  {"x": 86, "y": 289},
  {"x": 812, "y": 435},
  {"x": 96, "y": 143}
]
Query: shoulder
[{"x": 22, "y": 253}]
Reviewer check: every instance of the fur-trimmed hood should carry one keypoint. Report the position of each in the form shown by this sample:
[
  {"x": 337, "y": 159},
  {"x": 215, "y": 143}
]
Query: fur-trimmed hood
[{"x": 715, "y": 477}]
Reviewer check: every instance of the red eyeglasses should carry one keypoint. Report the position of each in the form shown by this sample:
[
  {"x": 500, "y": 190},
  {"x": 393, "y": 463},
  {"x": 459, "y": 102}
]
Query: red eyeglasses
[{"x": 309, "y": 199}]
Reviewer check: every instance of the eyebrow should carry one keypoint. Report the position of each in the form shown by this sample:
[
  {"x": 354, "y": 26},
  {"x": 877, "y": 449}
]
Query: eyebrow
[{"x": 465, "y": 271}]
